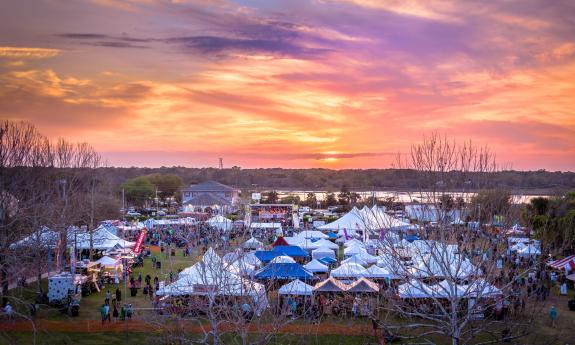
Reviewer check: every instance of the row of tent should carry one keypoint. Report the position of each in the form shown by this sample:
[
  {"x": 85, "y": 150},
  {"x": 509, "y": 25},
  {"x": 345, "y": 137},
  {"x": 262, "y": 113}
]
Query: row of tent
[
  {"x": 479, "y": 288},
  {"x": 101, "y": 238},
  {"x": 297, "y": 287}
]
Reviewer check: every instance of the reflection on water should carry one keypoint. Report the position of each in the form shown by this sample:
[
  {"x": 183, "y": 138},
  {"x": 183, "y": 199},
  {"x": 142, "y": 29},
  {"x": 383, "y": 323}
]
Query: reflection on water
[{"x": 412, "y": 196}]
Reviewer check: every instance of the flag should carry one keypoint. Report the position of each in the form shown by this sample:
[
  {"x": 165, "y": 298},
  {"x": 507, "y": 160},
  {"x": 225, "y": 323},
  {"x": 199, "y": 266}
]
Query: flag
[{"x": 140, "y": 241}]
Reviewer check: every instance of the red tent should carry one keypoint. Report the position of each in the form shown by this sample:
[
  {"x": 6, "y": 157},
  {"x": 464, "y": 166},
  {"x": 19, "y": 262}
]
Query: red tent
[
  {"x": 562, "y": 263},
  {"x": 280, "y": 241}
]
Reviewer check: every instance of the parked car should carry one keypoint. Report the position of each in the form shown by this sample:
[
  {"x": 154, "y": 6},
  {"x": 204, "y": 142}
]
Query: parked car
[{"x": 133, "y": 214}]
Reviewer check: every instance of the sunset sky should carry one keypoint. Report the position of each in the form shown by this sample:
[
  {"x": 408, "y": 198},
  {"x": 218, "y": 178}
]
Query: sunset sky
[{"x": 292, "y": 83}]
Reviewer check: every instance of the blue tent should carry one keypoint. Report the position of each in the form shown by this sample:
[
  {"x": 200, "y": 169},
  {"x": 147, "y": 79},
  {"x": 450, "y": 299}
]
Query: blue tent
[
  {"x": 411, "y": 238},
  {"x": 327, "y": 260},
  {"x": 332, "y": 235},
  {"x": 284, "y": 271},
  {"x": 291, "y": 251}
]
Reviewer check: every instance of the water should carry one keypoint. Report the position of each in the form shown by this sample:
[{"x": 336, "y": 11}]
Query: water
[{"x": 403, "y": 196}]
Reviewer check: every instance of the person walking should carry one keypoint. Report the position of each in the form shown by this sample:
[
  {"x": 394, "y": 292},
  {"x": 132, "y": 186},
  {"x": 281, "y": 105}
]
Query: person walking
[
  {"x": 115, "y": 313},
  {"x": 118, "y": 295},
  {"x": 103, "y": 313},
  {"x": 553, "y": 316},
  {"x": 9, "y": 312}
]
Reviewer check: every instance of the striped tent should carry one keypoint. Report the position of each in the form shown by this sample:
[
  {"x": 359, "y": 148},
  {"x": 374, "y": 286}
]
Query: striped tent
[{"x": 564, "y": 264}]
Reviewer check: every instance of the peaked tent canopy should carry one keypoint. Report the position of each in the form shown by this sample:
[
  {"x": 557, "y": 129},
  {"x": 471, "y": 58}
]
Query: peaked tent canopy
[
  {"x": 296, "y": 288},
  {"x": 349, "y": 270},
  {"x": 220, "y": 222},
  {"x": 414, "y": 289},
  {"x": 315, "y": 266},
  {"x": 282, "y": 259},
  {"x": 283, "y": 271},
  {"x": 252, "y": 243},
  {"x": 322, "y": 253},
  {"x": 330, "y": 285},
  {"x": 280, "y": 241},
  {"x": 363, "y": 285}
]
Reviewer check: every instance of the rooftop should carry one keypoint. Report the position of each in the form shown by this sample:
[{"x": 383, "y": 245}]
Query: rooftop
[{"x": 209, "y": 186}]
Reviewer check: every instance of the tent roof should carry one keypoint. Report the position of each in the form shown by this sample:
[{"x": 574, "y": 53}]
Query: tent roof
[
  {"x": 561, "y": 264},
  {"x": 311, "y": 234},
  {"x": 363, "y": 285},
  {"x": 316, "y": 266},
  {"x": 252, "y": 243},
  {"x": 293, "y": 251},
  {"x": 282, "y": 259},
  {"x": 348, "y": 270},
  {"x": 330, "y": 285},
  {"x": 296, "y": 287},
  {"x": 356, "y": 260},
  {"x": 209, "y": 186},
  {"x": 283, "y": 271},
  {"x": 328, "y": 260},
  {"x": 107, "y": 261},
  {"x": 414, "y": 289},
  {"x": 280, "y": 241}
]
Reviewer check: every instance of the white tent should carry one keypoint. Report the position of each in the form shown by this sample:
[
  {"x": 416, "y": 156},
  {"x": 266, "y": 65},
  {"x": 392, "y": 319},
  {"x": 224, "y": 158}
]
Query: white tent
[
  {"x": 295, "y": 241},
  {"x": 41, "y": 238},
  {"x": 529, "y": 250},
  {"x": 349, "y": 270},
  {"x": 326, "y": 244},
  {"x": 316, "y": 267},
  {"x": 238, "y": 254},
  {"x": 349, "y": 221},
  {"x": 442, "y": 266},
  {"x": 379, "y": 273},
  {"x": 220, "y": 222},
  {"x": 483, "y": 289},
  {"x": 353, "y": 250},
  {"x": 517, "y": 246},
  {"x": 211, "y": 275},
  {"x": 365, "y": 256},
  {"x": 311, "y": 234},
  {"x": 102, "y": 239},
  {"x": 252, "y": 243},
  {"x": 356, "y": 259},
  {"x": 414, "y": 289},
  {"x": 322, "y": 253},
  {"x": 108, "y": 262},
  {"x": 354, "y": 242},
  {"x": 296, "y": 287},
  {"x": 446, "y": 289},
  {"x": 282, "y": 259}
]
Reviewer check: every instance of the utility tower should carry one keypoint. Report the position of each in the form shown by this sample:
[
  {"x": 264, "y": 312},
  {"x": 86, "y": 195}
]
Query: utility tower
[{"x": 221, "y": 163}]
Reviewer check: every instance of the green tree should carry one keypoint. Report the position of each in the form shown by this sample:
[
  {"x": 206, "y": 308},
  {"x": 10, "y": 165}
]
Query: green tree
[
  {"x": 310, "y": 200},
  {"x": 290, "y": 199},
  {"x": 168, "y": 185},
  {"x": 490, "y": 203},
  {"x": 330, "y": 200},
  {"x": 138, "y": 189},
  {"x": 270, "y": 197}
]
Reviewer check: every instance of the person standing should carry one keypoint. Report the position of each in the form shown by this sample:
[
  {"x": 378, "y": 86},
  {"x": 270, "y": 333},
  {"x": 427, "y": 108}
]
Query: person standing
[
  {"x": 9, "y": 311},
  {"x": 553, "y": 316},
  {"x": 563, "y": 289},
  {"x": 107, "y": 299},
  {"x": 103, "y": 314}
]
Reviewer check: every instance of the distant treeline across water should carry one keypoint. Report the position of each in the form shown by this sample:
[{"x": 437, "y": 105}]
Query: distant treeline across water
[{"x": 527, "y": 182}]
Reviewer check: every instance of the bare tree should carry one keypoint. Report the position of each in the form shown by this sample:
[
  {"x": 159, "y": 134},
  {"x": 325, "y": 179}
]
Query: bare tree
[{"x": 456, "y": 274}]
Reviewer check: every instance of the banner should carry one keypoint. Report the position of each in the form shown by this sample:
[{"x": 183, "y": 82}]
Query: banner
[{"x": 140, "y": 241}]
